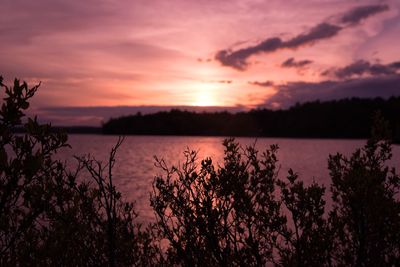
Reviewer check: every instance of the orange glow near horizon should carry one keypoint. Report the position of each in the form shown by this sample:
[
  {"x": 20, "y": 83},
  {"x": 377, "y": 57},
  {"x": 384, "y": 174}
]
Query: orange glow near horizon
[{"x": 195, "y": 53}]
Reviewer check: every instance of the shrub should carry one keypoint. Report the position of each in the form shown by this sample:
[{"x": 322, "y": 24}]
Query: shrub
[
  {"x": 241, "y": 214},
  {"x": 48, "y": 214},
  {"x": 219, "y": 217},
  {"x": 308, "y": 238},
  {"x": 366, "y": 209}
]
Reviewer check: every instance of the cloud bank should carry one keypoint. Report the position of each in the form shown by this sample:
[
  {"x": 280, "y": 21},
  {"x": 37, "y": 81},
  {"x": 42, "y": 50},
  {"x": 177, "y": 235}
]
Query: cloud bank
[{"x": 366, "y": 87}]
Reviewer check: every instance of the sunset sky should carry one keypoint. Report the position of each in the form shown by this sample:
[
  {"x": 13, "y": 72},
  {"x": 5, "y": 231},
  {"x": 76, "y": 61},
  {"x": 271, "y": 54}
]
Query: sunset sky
[{"x": 102, "y": 58}]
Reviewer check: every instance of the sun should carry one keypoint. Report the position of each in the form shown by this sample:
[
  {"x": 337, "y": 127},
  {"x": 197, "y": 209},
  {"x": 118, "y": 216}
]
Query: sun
[{"x": 205, "y": 97}]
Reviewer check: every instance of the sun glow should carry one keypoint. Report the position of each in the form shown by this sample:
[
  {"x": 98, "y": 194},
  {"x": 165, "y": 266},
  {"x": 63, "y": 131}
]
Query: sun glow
[{"x": 205, "y": 97}]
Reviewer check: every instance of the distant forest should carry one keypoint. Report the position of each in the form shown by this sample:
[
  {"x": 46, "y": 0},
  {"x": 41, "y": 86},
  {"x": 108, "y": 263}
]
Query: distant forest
[{"x": 347, "y": 118}]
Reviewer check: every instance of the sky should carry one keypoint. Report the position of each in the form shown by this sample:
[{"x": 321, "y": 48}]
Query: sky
[{"x": 98, "y": 59}]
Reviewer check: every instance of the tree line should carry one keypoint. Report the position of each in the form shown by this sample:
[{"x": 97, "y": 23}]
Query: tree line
[{"x": 346, "y": 118}]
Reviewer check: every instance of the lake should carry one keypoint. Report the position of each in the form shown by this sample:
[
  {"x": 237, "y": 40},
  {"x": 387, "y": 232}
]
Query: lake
[{"x": 134, "y": 170}]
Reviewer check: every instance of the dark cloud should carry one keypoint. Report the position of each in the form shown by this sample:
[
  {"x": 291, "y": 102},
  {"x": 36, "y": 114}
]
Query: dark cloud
[
  {"x": 300, "y": 92},
  {"x": 265, "y": 84},
  {"x": 362, "y": 67},
  {"x": 238, "y": 59},
  {"x": 395, "y": 65},
  {"x": 292, "y": 63},
  {"x": 357, "y": 68},
  {"x": 357, "y": 14},
  {"x": 319, "y": 32}
]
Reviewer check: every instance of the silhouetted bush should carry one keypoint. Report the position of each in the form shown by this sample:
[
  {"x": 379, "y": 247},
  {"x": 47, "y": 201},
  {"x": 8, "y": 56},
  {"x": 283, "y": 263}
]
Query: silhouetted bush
[
  {"x": 219, "y": 217},
  {"x": 234, "y": 215},
  {"x": 307, "y": 239},
  {"x": 49, "y": 215},
  {"x": 241, "y": 214},
  {"x": 366, "y": 209}
]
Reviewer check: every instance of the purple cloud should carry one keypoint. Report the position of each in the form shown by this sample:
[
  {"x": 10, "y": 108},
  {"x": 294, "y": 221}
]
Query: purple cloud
[
  {"x": 292, "y": 63},
  {"x": 357, "y": 14},
  {"x": 299, "y": 92},
  {"x": 319, "y": 32},
  {"x": 362, "y": 67},
  {"x": 395, "y": 65},
  {"x": 238, "y": 59}
]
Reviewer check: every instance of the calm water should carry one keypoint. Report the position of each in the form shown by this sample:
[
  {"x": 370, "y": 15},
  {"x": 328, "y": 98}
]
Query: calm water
[{"x": 135, "y": 170}]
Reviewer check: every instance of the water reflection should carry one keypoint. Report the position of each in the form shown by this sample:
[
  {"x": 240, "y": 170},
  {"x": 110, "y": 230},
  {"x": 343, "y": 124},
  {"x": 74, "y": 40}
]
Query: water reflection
[{"x": 135, "y": 170}]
